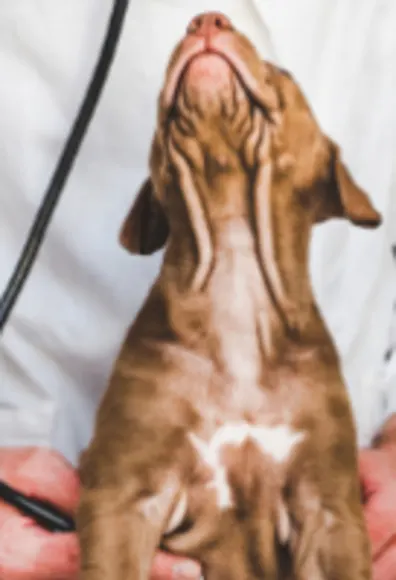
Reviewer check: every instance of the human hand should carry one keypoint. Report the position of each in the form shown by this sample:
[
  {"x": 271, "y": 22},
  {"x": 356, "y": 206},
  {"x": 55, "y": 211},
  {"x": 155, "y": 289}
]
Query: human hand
[
  {"x": 27, "y": 552},
  {"x": 378, "y": 478}
]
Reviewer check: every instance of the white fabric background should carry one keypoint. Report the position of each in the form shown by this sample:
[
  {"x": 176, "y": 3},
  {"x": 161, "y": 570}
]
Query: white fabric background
[{"x": 66, "y": 329}]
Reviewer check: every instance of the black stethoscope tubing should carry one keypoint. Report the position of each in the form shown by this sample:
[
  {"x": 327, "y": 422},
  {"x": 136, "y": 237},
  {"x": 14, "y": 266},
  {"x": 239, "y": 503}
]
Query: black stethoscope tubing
[
  {"x": 65, "y": 164},
  {"x": 46, "y": 515}
]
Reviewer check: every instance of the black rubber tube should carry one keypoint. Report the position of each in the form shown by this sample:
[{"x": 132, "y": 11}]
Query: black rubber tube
[
  {"x": 44, "y": 514},
  {"x": 65, "y": 164}
]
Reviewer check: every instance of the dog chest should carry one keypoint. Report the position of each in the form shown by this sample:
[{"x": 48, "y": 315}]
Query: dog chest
[{"x": 237, "y": 298}]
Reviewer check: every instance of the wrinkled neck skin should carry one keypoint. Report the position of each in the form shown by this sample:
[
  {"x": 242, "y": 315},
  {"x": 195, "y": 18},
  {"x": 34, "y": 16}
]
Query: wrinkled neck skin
[{"x": 237, "y": 261}]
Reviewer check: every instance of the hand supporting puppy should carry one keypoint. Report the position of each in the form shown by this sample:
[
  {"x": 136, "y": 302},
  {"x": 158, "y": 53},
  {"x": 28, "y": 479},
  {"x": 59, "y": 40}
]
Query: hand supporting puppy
[
  {"x": 28, "y": 552},
  {"x": 378, "y": 477}
]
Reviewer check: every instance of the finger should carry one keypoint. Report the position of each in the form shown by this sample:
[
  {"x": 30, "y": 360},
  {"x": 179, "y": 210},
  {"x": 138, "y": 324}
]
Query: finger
[
  {"x": 26, "y": 551},
  {"x": 385, "y": 567},
  {"x": 168, "y": 567},
  {"x": 380, "y": 515},
  {"x": 45, "y": 474}
]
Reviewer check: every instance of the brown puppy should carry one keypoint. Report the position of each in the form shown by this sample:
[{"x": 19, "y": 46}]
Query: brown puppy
[{"x": 226, "y": 432}]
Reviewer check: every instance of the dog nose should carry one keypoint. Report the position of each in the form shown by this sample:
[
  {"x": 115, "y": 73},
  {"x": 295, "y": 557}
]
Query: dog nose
[{"x": 209, "y": 24}]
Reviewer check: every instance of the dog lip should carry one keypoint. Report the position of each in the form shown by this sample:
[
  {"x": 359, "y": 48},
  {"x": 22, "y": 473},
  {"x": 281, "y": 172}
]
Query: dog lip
[
  {"x": 220, "y": 46},
  {"x": 200, "y": 47},
  {"x": 190, "y": 51}
]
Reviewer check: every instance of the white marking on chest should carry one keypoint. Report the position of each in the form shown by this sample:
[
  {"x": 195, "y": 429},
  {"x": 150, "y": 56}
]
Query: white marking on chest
[{"x": 276, "y": 442}]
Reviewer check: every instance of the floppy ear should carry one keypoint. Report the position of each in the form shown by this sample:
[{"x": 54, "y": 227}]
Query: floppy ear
[
  {"x": 145, "y": 229},
  {"x": 345, "y": 199}
]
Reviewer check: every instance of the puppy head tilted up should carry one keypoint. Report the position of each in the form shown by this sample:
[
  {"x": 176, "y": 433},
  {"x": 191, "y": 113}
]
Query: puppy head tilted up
[
  {"x": 237, "y": 148},
  {"x": 235, "y": 139}
]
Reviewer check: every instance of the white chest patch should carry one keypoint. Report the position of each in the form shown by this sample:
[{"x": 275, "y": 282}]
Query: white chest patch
[{"x": 276, "y": 442}]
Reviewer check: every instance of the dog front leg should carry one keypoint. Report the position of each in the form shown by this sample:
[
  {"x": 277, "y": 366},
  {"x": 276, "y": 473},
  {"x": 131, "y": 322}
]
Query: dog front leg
[
  {"x": 118, "y": 541},
  {"x": 347, "y": 551},
  {"x": 336, "y": 550}
]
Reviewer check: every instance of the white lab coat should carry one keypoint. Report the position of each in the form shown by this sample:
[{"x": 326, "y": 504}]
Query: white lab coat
[{"x": 66, "y": 329}]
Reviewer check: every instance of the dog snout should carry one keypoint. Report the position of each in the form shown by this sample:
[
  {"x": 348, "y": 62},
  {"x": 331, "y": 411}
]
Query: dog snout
[{"x": 209, "y": 24}]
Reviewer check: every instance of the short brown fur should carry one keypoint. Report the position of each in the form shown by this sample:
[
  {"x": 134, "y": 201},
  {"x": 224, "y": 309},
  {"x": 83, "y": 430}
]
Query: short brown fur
[{"x": 234, "y": 190}]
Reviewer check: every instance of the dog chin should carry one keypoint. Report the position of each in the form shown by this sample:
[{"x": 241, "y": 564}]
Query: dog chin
[{"x": 209, "y": 87}]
